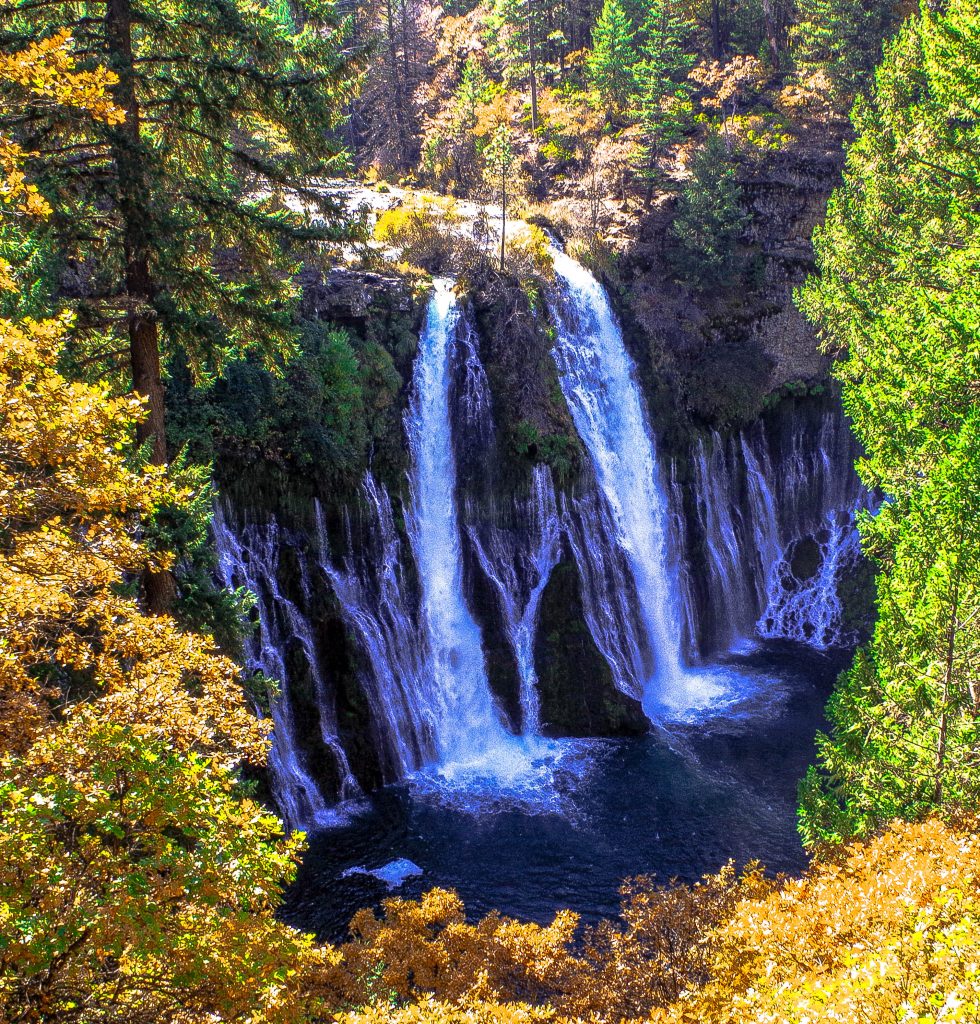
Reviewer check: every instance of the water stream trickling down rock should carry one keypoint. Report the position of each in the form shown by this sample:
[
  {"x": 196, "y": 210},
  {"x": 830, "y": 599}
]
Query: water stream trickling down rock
[{"x": 454, "y": 595}]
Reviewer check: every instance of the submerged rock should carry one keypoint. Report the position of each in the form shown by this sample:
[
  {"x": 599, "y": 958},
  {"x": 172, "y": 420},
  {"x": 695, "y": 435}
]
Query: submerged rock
[{"x": 394, "y": 874}]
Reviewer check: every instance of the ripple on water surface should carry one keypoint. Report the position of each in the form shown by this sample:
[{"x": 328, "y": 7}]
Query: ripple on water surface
[{"x": 553, "y": 824}]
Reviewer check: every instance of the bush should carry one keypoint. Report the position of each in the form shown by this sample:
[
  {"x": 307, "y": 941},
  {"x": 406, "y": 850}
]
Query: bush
[{"x": 425, "y": 230}]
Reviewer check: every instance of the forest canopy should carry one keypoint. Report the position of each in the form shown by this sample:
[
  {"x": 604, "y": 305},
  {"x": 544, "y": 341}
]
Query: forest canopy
[{"x": 162, "y": 171}]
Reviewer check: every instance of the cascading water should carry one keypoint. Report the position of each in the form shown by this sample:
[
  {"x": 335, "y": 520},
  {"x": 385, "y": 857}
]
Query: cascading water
[
  {"x": 468, "y": 730},
  {"x": 810, "y": 610},
  {"x": 516, "y": 556},
  {"x": 719, "y": 512},
  {"x": 598, "y": 381},
  {"x": 378, "y": 607},
  {"x": 778, "y": 529},
  {"x": 518, "y": 568},
  {"x": 750, "y": 542},
  {"x": 250, "y": 558},
  {"x": 609, "y": 601},
  {"x": 425, "y": 677}
]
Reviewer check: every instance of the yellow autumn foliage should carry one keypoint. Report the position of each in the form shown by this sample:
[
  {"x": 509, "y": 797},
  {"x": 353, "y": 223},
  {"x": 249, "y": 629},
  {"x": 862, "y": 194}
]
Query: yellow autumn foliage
[
  {"x": 136, "y": 886},
  {"x": 69, "y": 508},
  {"x": 426, "y": 948},
  {"x": 47, "y": 72},
  {"x": 433, "y": 1011},
  {"x": 136, "y": 882},
  {"x": 888, "y": 931}
]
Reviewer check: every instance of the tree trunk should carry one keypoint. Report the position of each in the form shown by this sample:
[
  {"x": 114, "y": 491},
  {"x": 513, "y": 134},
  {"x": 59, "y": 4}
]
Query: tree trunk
[
  {"x": 531, "y": 58},
  {"x": 950, "y": 653},
  {"x": 396, "y": 86},
  {"x": 503, "y": 217},
  {"x": 717, "y": 46},
  {"x": 160, "y": 588},
  {"x": 772, "y": 20}
]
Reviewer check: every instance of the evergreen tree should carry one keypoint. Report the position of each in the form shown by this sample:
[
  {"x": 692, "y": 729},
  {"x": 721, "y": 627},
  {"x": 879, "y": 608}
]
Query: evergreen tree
[
  {"x": 499, "y": 159},
  {"x": 898, "y": 293},
  {"x": 663, "y": 108},
  {"x": 386, "y": 113},
  {"x": 173, "y": 222},
  {"x": 611, "y": 64},
  {"x": 709, "y": 221},
  {"x": 522, "y": 32},
  {"x": 845, "y": 36},
  {"x": 474, "y": 90}
]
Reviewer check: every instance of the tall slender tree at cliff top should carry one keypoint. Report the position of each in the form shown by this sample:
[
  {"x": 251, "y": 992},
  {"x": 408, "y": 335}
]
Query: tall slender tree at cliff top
[{"x": 172, "y": 225}]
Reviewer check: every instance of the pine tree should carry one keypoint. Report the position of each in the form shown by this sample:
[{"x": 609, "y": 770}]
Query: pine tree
[
  {"x": 519, "y": 32},
  {"x": 499, "y": 157},
  {"x": 174, "y": 219},
  {"x": 844, "y": 36},
  {"x": 613, "y": 58},
  {"x": 709, "y": 222},
  {"x": 663, "y": 92},
  {"x": 899, "y": 258},
  {"x": 386, "y": 113}
]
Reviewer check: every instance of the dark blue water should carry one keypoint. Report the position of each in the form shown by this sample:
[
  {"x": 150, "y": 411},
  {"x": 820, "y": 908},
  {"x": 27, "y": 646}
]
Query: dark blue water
[{"x": 676, "y": 804}]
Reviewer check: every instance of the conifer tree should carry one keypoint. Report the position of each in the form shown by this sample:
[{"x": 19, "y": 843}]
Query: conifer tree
[
  {"x": 844, "y": 36},
  {"x": 611, "y": 64},
  {"x": 386, "y": 113},
  {"x": 172, "y": 222},
  {"x": 519, "y": 30},
  {"x": 709, "y": 220},
  {"x": 899, "y": 258},
  {"x": 663, "y": 92}
]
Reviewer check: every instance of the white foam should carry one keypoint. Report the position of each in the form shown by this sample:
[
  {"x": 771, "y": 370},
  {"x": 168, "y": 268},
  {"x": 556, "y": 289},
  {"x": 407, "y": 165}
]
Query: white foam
[{"x": 394, "y": 874}]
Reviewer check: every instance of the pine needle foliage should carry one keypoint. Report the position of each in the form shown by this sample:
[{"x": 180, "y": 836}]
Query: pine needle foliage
[
  {"x": 898, "y": 297},
  {"x": 180, "y": 224}
]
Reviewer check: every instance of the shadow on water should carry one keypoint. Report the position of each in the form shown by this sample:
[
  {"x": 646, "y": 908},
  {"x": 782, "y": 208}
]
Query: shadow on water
[{"x": 676, "y": 804}]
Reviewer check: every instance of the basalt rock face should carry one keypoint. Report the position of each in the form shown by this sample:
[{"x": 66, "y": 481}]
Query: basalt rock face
[
  {"x": 578, "y": 695},
  {"x": 717, "y": 356},
  {"x": 519, "y": 459},
  {"x": 279, "y": 444},
  {"x": 282, "y": 516},
  {"x": 760, "y": 509}
]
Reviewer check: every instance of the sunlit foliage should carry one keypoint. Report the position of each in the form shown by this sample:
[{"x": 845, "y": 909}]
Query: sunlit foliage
[
  {"x": 45, "y": 74},
  {"x": 898, "y": 297},
  {"x": 135, "y": 883},
  {"x": 887, "y": 931}
]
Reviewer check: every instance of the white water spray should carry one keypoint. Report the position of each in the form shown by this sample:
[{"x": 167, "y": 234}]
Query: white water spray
[
  {"x": 598, "y": 380},
  {"x": 474, "y": 749},
  {"x": 249, "y": 558},
  {"x": 519, "y": 572},
  {"x": 376, "y": 605}
]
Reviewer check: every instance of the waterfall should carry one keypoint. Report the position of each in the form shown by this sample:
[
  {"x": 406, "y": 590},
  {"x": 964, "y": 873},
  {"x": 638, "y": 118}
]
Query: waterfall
[
  {"x": 518, "y": 568},
  {"x": 457, "y": 694},
  {"x": 609, "y": 601},
  {"x": 250, "y": 558},
  {"x": 424, "y": 673},
  {"x": 776, "y": 515},
  {"x": 378, "y": 607},
  {"x": 734, "y": 604},
  {"x": 678, "y": 541},
  {"x": 598, "y": 381},
  {"x": 810, "y": 610},
  {"x": 746, "y": 536},
  {"x": 516, "y": 558}
]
